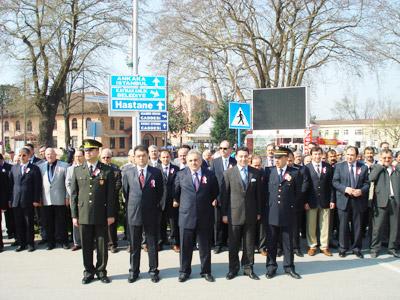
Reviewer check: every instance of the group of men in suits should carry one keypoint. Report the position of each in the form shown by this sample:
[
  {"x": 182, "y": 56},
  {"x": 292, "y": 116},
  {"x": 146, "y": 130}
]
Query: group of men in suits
[{"x": 237, "y": 203}]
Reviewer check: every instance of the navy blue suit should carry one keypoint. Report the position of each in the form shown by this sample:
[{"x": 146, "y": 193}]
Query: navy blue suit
[
  {"x": 282, "y": 200},
  {"x": 25, "y": 190},
  {"x": 196, "y": 216},
  {"x": 348, "y": 205}
]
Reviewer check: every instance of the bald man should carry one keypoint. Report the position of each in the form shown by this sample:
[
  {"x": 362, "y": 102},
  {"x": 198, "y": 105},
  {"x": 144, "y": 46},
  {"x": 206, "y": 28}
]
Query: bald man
[{"x": 55, "y": 199}]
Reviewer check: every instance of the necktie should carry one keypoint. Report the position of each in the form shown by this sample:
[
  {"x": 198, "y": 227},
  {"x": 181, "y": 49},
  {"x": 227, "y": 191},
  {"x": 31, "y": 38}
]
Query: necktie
[
  {"x": 352, "y": 178},
  {"x": 141, "y": 178},
  {"x": 271, "y": 162},
  {"x": 23, "y": 169},
  {"x": 318, "y": 171},
  {"x": 166, "y": 171},
  {"x": 91, "y": 170},
  {"x": 225, "y": 164},
  {"x": 196, "y": 182},
  {"x": 50, "y": 173},
  {"x": 243, "y": 173},
  {"x": 280, "y": 175}
]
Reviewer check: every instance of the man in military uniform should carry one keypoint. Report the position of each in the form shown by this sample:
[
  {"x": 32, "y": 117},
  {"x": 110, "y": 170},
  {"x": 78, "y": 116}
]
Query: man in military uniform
[{"x": 92, "y": 209}]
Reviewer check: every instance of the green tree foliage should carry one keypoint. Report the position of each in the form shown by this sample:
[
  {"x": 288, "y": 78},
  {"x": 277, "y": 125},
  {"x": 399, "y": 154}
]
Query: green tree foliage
[
  {"x": 200, "y": 114},
  {"x": 178, "y": 120},
  {"x": 220, "y": 130}
]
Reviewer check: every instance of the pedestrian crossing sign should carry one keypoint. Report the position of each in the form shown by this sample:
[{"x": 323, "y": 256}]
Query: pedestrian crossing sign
[{"x": 240, "y": 115}]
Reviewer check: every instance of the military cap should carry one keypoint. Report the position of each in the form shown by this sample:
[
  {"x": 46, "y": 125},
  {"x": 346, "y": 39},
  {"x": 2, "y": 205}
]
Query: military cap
[
  {"x": 91, "y": 144},
  {"x": 280, "y": 151}
]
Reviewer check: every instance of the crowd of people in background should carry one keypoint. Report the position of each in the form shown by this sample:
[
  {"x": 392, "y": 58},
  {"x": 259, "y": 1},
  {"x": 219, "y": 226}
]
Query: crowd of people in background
[{"x": 219, "y": 199}]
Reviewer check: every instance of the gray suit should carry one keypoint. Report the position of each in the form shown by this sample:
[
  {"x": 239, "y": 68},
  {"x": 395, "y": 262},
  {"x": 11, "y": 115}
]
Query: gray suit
[
  {"x": 241, "y": 203},
  {"x": 68, "y": 180},
  {"x": 54, "y": 193},
  {"x": 386, "y": 206}
]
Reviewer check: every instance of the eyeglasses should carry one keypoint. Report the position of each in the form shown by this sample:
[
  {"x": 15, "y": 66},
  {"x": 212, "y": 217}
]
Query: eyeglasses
[
  {"x": 222, "y": 148},
  {"x": 106, "y": 157}
]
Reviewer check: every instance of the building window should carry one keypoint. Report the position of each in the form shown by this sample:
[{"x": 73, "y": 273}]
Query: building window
[
  {"x": 87, "y": 121},
  {"x": 121, "y": 124},
  {"x": 29, "y": 126},
  {"x": 358, "y": 132},
  {"x": 7, "y": 141},
  {"x": 336, "y": 132},
  {"x": 17, "y": 125},
  {"x": 326, "y": 133},
  {"x": 54, "y": 142},
  {"x": 121, "y": 142},
  {"x": 112, "y": 124},
  {"x": 74, "y": 123},
  {"x": 346, "y": 132},
  {"x": 74, "y": 141},
  {"x": 6, "y": 126},
  {"x": 112, "y": 143}
]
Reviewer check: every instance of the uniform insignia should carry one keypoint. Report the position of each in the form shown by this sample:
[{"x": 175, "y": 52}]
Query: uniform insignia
[{"x": 101, "y": 181}]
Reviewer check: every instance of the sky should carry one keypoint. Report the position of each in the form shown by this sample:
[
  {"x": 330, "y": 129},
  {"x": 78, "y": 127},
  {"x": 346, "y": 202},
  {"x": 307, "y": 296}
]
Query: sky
[{"x": 330, "y": 84}]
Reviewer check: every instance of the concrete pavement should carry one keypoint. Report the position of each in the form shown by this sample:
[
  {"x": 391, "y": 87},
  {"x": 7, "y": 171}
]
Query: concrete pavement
[{"x": 57, "y": 275}]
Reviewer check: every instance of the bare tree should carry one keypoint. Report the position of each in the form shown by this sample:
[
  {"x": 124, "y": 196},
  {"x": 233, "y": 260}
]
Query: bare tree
[
  {"x": 47, "y": 35},
  {"x": 268, "y": 43},
  {"x": 351, "y": 109}
]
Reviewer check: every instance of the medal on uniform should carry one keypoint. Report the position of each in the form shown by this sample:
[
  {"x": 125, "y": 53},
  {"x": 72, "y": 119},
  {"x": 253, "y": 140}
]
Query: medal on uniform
[{"x": 101, "y": 180}]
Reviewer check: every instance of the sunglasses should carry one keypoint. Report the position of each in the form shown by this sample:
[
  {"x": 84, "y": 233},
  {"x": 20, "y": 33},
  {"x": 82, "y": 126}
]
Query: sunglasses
[
  {"x": 222, "y": 148},
  {"x": 106, "y": 157}
]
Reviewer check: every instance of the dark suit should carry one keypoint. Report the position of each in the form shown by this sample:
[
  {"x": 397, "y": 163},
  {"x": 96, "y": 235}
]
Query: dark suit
[
  {"x": 282, "y": 199},
  {"x": 196, "y": 217},
  {"x": 220, "y": 229},
  {"x": 4, "y": 194},
  {"x": 386, "y": 206},
  {"x": 112, "y": 229},
  {"x": 321, "y": 194},
  {"x": 350, "y": 206},
  {"x": 170, "y": 213},
  {"x": 241, "y": 203},
  {"x": 25, "y": 190},
  {"x": 143, "y": 214},
  {"x": 92, "y": 203}
]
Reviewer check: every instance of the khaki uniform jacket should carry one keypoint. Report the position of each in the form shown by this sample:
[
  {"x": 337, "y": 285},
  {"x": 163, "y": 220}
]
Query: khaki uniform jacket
[{"x": 92, "y": 196}]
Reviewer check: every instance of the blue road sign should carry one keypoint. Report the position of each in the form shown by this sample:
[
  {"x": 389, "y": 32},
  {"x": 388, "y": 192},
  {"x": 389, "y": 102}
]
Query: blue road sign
[
  {"x": 94, "y": 129},
  {"x": 153, "y": 116},
  {"x": 240, "y": 115},
  {"x": 137, "y": 93},
  {"x": 153, "y": 126}
]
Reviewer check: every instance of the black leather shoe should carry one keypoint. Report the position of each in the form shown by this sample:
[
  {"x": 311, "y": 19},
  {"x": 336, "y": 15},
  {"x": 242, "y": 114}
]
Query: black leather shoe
[
  {"x": 132, "y": 277},
  {"x": 114, "y": 249},
  {"x": 42, "y": 242},
  {"x": 358, "y": 254},
  {"x": 14, "y": 244},
  {"x": 155, "y": 278},
  {"x": 279, "y": 253},
  {"x": 105, "y": 279},
  {"x": 20, "y": 248},
  {"x": 87, "y": 279},
  {"x": 31, "y": 248},
  {"x": 50, "y": 246},
  {"x": 208, "y": 277},
  {"x": 298, "y": 252},
  {"x": 270, "y": 274},
  {"x": 217, "y": 250},
  {"x": 230, "y": 275},
  {"x": 65, "y": 246},
  {"x": 394, "y": 253},
  {"x": 293, "y": 274},
  {"x": 183, "y": 277},
  {"x": 342, "y": 253},
  {"x": 252, "y": 275}
]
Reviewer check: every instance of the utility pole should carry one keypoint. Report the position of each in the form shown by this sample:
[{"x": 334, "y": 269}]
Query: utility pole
[
  {"x": 83, "y": 103},
  {"x": 136, "y": 136},
  {"x": 167, "y": 97},
  {"x": 24, "y": 109}
]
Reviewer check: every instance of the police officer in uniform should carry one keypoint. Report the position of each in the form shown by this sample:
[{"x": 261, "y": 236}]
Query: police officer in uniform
[
  {"x": 92, "y": 209},
  {"x": 283, "y": 187}
]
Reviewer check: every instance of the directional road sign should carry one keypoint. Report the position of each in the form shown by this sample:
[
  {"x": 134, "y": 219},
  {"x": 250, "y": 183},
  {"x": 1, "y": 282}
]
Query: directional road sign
[
  {"x": 137, "y": 93},
  {"x": 153, "y": 126},
  {"x": 94, "y": 129},
  {"x": 153, "y": 116},
  {"x": 240, "y": 115}
]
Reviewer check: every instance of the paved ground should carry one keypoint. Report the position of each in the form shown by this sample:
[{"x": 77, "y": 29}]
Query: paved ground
[{"x": 57, "y": 275}]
